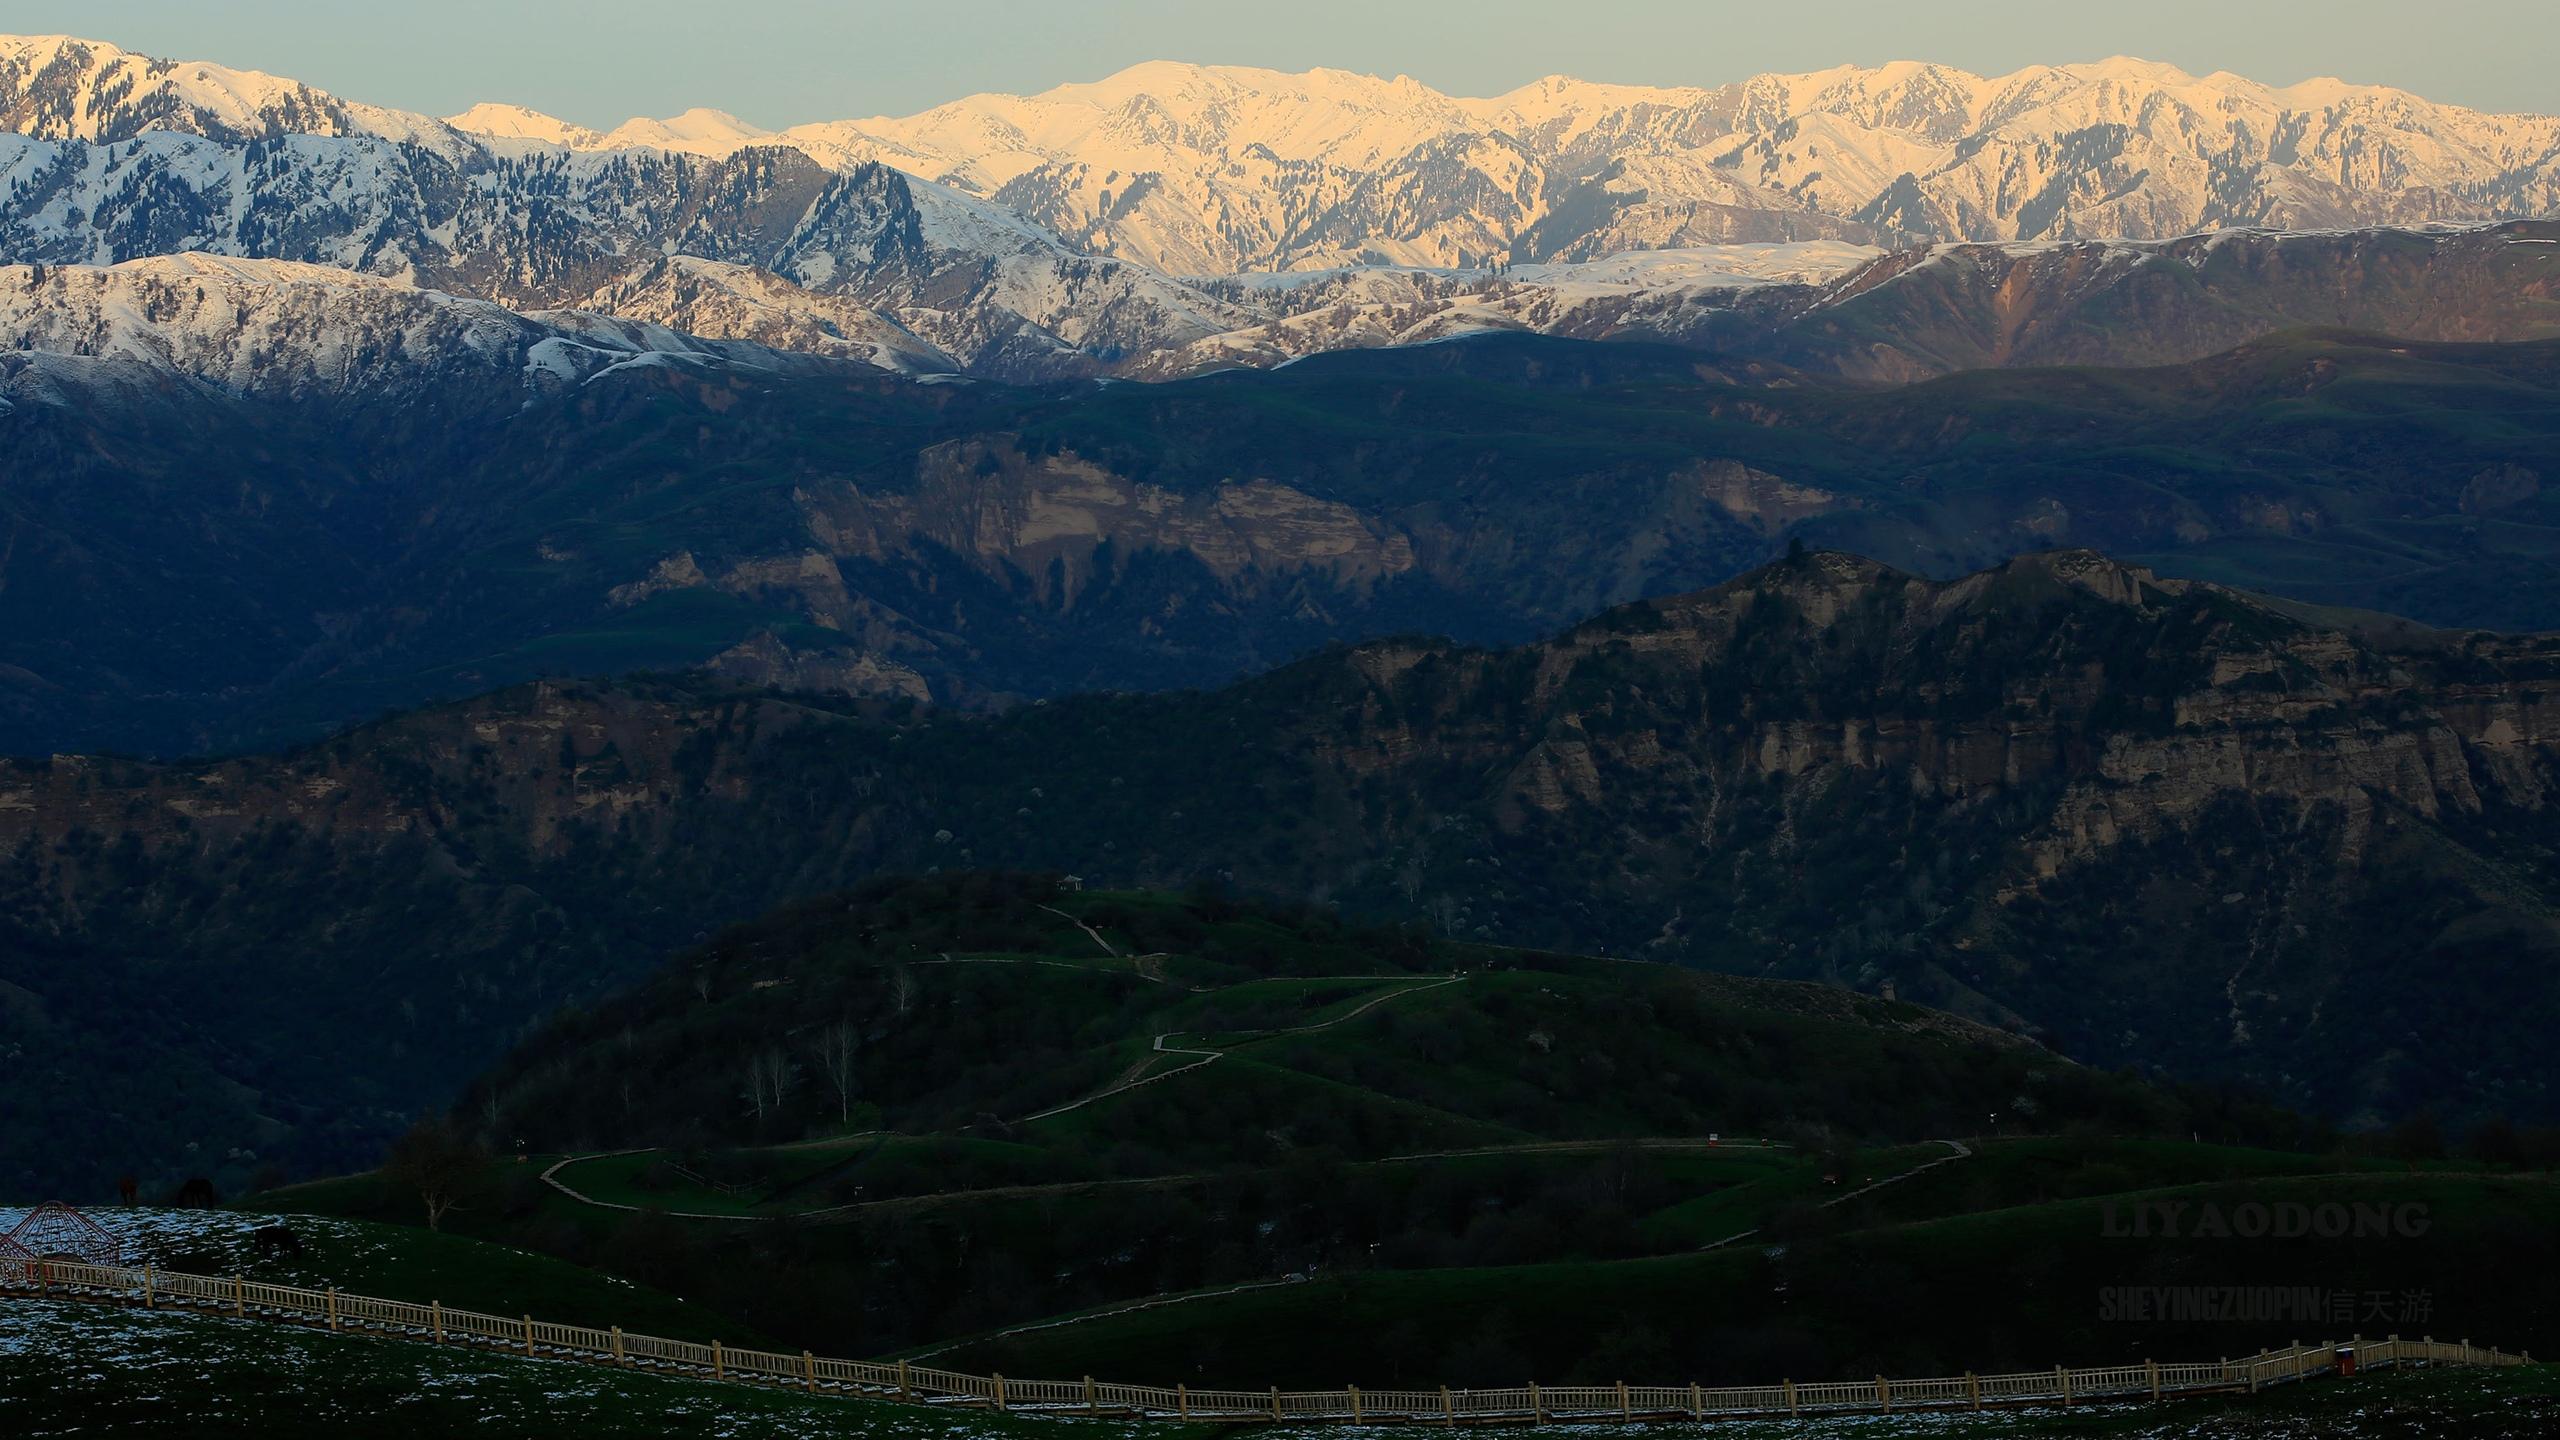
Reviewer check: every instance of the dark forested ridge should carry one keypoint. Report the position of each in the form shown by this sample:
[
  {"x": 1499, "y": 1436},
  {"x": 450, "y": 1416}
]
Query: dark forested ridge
[
  {"x": 191, "y": 570},
  {"x": 2157, "y": 824}
]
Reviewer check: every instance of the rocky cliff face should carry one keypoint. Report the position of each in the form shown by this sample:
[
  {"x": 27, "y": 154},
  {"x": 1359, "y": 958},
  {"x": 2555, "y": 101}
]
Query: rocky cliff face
[
  {"x": 2158, "y": 824},
  {"x": 256, "y": 501}
]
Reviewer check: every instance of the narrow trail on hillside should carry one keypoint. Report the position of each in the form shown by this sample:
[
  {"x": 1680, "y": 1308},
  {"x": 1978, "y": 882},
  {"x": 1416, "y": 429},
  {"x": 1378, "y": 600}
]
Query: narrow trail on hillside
[
  {"x": 1211, "y": 1057},
  {"x": 1161, "y": 1046},
  {"x": 1089, "y": 930},
  {"x": 1960, "y": 1151}
]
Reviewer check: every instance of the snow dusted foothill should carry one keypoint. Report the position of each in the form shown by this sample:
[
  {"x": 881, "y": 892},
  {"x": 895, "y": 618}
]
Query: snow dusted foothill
[{"x": 283, "y": 329}]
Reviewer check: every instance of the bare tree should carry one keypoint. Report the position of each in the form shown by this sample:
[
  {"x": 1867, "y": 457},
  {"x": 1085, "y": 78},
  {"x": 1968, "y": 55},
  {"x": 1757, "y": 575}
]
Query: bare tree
[
  {"x": 771, "y": 1077},
  {"x": 781, "y": 1073},
  {"x": 902, "y": 988},
  {"x": 439, "y": 1162},
  {"x": 836, "y": 1048}
]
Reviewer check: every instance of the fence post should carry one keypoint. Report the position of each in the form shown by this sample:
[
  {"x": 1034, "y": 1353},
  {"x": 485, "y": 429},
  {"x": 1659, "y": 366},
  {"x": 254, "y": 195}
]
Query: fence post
[
  {"x": 2062, "y": 1382},
  {"x": 905, "y": 1391},
  {"x": 1448, "y": 1407},
  {"x": 1884, "y": 1394},
  {"x": 1697, "y": 1402},
  {"x": 1790, "y": 1387},
  {"x": 1091, "y": 1408},
  {"x": 1181, "y": 1397},
  {"x": 1354, "y": 1392},
  {"x": 619, "y": 1358},
  {"x": 333, "y": 1307},
  {"x": 809, "y": 1372},
  {"x": 719, "y": 1366},
  {"x": 435, "y": 1317},
  {"x": 148, "y": 1298},
  {"x": 1275, "y": 1402},
  {"x": 1973, "y": 1389},
  {"x": 239, "y": 1298},
  {"x": 2153, "y": 1368},
  {"x": 1537, "y": 1404},
  {"x": 2428, "y": 1355},
  {"x": 1000, "y": 1392},
  {"x": 528, "y": 1335}
]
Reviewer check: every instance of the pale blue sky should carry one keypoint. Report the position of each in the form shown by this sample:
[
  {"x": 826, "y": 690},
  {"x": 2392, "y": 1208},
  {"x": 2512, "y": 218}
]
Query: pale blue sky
[{"x": 780, "y": 62}]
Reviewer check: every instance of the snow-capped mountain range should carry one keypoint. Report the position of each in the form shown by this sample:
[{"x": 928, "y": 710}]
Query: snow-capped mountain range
[
  {"x": 1197, "y": 169},
  {"x": 1178, "y": 217}
]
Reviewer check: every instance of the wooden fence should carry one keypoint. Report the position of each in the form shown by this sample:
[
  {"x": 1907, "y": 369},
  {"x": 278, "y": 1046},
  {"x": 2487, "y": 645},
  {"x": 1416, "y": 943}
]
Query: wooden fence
[{"x": 898, "y": 1381}]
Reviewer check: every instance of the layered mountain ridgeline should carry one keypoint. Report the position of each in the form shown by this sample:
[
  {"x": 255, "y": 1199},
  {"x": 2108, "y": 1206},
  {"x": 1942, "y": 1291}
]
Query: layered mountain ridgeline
[
  {"x": 221, "y": 536},
  {"x": 2160, "y": 824},
  {"x": 1948, "y": 308},
  {"x": 1934, "y": 310}
]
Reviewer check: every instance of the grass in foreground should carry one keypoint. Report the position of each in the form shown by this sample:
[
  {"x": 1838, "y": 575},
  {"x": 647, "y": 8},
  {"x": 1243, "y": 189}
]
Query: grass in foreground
[
  {"x": 69, "y": 1369},
  {"x": 401, "y": 1262}
]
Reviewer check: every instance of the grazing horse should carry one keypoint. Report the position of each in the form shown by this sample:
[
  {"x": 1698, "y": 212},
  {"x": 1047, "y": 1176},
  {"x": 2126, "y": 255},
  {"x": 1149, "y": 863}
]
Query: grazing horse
[{"x": 274, "y": 1242}]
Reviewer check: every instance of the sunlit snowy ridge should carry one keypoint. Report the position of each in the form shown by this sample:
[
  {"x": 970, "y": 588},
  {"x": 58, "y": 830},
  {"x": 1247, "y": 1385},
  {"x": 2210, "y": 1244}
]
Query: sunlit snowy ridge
[{"x": 1128, "y": 226}]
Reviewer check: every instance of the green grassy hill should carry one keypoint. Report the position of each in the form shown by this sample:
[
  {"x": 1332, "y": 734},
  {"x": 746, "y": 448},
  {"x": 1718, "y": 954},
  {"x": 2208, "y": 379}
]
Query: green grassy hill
[{"x": 1382, "y": 1158}]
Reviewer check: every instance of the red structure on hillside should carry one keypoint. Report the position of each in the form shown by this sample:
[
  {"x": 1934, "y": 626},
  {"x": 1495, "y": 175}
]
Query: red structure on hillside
[
  {"x": 55, "y": 1231},
  {"x": 17, "y": 1267}
]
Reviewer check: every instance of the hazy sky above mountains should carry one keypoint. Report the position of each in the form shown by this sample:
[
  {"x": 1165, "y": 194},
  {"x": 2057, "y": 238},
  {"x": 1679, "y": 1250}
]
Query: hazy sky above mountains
[{"x": 781, "y": 62}]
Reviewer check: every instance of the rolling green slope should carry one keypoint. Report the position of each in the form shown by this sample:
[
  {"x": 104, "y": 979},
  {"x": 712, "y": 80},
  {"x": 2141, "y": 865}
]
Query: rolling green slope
[
  {"x": 2014, "y": 1288},
  {"x": 1056, "y": 1100}
]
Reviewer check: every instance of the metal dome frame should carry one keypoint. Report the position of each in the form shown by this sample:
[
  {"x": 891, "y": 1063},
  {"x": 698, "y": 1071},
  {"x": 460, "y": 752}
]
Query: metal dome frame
[{"x": 55, "y": 1231}]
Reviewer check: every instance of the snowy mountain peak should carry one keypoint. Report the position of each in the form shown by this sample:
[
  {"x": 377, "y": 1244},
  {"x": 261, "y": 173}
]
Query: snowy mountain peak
[
  {"x": 699, "y": 131},
  {"x": 60, "y": 87},
  {"x": 517, "y": 122}
]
